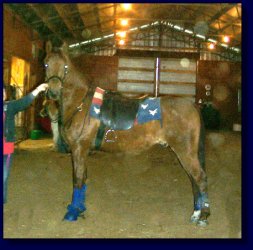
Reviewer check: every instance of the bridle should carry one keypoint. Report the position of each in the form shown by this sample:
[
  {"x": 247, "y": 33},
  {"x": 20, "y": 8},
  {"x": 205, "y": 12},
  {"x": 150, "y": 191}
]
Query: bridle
[
  {"x": 57, "y": 77},
  {"x": 68, "y": 121}
]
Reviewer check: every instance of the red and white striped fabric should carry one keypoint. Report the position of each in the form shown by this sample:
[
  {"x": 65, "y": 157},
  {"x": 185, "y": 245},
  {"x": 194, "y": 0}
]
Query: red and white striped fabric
[
  {"x": 98, "y": 96},
  {"x": 97, "y": 102}
]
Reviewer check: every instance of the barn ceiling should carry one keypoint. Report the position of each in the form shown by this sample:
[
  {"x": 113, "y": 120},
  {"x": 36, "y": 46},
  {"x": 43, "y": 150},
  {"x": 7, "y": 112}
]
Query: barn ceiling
[{"x": 76, "y": 23}]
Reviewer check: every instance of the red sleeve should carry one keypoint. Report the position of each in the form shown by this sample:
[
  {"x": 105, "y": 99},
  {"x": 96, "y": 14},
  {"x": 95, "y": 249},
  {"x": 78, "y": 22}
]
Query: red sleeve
[{"x": 8, "y": 147}]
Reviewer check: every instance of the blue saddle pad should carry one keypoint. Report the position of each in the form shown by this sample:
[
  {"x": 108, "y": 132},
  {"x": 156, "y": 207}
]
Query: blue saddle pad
[{"x": 149, "y": 110}]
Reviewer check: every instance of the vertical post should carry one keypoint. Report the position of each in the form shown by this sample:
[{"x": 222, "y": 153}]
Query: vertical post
[
  {"x": 157, "y": 77},
  {"x": 114, "y": 24}
]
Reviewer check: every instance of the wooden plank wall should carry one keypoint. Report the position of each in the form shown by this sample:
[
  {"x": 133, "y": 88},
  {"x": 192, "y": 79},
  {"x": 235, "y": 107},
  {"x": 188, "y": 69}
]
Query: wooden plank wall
[
  {"x": 178, "y": 77},
  {"x": 137, "y": 75},
  {"x": 225, "y": 81}
]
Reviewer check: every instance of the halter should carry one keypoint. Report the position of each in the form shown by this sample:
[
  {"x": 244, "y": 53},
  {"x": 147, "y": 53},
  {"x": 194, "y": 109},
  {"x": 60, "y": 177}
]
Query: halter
[{"x": 57, "y": 77}]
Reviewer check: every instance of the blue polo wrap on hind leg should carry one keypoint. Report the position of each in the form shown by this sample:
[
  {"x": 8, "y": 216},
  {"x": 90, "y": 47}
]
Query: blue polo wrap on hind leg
[
  {"x": 77, "y": 205},
  {"x": 202, "y": 201}
]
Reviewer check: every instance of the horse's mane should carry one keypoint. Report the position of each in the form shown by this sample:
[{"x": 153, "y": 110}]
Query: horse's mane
[{"x": 77, "y": 72}]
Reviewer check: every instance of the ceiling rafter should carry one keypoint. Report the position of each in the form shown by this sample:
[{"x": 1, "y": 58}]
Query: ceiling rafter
[
  {"x": 96, "y": 13},
  {"x": 64, "y": 13},
  {"x": 40, "y": 28},
  {"x": 217, "y": 16},
  {"x": 44, "y": 17},
  {"x": 71, "y": 21}
]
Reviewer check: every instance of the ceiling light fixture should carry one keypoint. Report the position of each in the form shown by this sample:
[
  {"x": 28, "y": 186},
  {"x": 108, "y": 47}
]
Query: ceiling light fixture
[
  {"x": 226, "y": 39},
  {"x": 126, "y": 6},
  {"x": 121, "y": 34},
  {"x": 121, "y": 42},
  {"x": 211, "y": 46},
  {"x": 124, "y": 22}
]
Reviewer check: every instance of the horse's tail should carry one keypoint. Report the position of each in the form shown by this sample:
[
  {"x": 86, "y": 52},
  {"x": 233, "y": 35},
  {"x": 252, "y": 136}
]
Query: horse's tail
[{"x": 201, "y": 148}]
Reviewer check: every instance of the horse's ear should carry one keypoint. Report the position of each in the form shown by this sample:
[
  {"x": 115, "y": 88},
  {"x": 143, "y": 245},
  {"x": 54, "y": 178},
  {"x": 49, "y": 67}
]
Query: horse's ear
[
  {"x": 49, "y": 47},
  {"x": 65, "y": 48}
]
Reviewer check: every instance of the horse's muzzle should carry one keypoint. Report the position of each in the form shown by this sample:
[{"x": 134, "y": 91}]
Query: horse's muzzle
[{"x": 53, "y": 95}]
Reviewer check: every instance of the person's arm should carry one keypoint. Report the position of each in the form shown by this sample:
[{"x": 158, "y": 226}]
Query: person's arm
[{"x": 24, "y": 102}]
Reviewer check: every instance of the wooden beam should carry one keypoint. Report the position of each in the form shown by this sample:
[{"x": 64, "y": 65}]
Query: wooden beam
[
  {"x": 220, "y": 13},
  {"x": 65, "y": 14},
  {"x": 44, "y": 15},
  {"x": 96, "y": 13}
]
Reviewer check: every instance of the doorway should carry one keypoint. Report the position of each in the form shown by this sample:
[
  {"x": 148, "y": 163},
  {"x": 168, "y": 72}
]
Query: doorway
[{"x": 19, "y": 80}]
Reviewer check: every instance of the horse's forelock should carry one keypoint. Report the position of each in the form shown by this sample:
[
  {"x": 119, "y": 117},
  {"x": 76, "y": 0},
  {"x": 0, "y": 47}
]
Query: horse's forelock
[{"x": 58, "y": 53}]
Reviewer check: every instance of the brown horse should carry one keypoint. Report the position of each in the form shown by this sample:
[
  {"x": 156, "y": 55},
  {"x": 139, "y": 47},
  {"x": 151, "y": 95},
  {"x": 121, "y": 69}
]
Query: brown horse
[{"x": 182, "y": 130}]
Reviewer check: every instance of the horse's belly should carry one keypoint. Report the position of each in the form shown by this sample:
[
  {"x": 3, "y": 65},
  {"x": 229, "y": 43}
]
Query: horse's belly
[{"x": 135, "y": 140}]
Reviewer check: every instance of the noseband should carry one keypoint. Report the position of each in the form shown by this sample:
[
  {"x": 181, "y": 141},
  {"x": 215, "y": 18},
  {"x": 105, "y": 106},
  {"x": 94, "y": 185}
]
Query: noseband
[{"x": 57, "y": 77}]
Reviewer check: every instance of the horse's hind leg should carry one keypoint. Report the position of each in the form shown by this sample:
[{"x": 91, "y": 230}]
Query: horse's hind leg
[{"x": 198, "y": 179}]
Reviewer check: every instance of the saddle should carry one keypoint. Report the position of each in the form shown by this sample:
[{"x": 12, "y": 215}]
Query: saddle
[{"x": 118, "y": 112}]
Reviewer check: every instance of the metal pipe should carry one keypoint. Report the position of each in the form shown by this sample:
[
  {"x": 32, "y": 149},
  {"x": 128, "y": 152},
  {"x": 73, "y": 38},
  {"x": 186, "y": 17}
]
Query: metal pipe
[{"x": 157, "y": 77}]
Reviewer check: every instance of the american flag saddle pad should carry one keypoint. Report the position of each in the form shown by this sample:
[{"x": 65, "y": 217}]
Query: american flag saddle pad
[{"x": 149, "y": 109}]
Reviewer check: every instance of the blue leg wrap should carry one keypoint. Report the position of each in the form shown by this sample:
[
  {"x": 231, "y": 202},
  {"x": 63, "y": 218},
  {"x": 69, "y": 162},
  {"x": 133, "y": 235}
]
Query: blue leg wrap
[
  {"x": 77, "y": 205},
  {"x": 201, "y": 202}
]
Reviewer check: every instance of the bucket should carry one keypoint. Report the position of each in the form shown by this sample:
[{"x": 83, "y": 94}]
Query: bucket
[{"x": 35, "y": 134}]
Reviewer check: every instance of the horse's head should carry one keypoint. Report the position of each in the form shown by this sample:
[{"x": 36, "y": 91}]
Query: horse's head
[{"x": 56, "y": 64}]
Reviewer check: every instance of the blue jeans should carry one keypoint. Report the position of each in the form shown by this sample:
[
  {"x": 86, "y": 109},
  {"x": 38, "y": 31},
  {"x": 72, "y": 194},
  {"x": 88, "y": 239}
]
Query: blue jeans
[{"x": 7, "y": 165}]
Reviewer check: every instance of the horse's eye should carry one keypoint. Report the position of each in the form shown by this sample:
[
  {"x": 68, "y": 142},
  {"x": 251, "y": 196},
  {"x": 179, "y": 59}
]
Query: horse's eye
[{"x": 46, "y": 65}]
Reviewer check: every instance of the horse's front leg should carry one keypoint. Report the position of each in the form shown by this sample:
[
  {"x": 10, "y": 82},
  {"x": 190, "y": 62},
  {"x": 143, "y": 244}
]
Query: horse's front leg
[
  {"x": 77, "y": 206},
  {"x": 55, "y": 131}
]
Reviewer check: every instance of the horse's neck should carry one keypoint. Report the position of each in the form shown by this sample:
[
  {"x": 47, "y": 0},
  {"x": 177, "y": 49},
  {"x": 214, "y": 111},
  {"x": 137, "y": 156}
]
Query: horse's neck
[{"x": 74, "y": 92}]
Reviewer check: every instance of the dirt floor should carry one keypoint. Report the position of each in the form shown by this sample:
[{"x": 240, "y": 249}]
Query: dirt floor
[{"x": 145, "y": 196}]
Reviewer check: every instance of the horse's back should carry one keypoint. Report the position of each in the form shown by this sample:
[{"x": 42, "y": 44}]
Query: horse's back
[{"x": 180, "y": 110}]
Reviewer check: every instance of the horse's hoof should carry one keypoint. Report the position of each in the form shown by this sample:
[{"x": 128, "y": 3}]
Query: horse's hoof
[
  {"x": 73, "y": 213},
  {"x": 70, "y": 216},
  {"x": 202, "y": 223},
  {"x": 195, "y": 217}
]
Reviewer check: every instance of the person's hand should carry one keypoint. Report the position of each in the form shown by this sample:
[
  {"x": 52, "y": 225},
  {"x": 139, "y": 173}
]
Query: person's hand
[{"x": 42, "y": 87}]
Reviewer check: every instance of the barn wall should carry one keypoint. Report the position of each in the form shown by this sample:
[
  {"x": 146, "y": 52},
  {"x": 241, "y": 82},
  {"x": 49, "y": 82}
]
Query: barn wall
[
  {"x": 224, "y": 79},
  {"x": 22, "y": 42},
  {"x": 136, "y": 75},
  {"x": 177, "y": 78}
]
